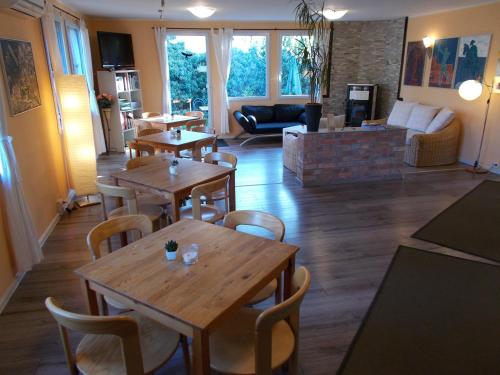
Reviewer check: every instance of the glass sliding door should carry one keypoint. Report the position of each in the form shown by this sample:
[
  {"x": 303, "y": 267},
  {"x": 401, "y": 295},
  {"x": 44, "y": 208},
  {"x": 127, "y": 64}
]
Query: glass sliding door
[{"x": 188, "y": 67}]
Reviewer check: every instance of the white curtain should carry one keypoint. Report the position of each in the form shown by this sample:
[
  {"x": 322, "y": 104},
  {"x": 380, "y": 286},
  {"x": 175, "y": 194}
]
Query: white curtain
[
  {"x": 222, "y": 42},
  {"x": 23, "y": 238},
  {"x": 161, "y": 48},
  {"x": 100, "y": 146}
]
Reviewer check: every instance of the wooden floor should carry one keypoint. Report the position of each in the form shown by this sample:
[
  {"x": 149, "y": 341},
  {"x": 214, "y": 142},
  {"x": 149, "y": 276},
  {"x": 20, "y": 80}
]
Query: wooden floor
[{"x": 347, "y": 235}]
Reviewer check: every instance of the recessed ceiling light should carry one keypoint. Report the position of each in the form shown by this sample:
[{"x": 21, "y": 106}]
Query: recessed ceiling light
[
  {"x": 332, "y": 14},
  {"x": 201, "y": 11}
]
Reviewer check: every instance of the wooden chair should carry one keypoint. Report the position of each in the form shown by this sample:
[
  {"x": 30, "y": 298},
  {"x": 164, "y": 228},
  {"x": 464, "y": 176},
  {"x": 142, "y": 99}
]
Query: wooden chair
[
  {"x": 107, "y": 229},
  {"x": 253, "y": 341},
  {"x": 206, "y": 212},
  {"x": 198, "y": 114},
  {"x": 126, "y": 344},
  {"x": 217, "y": 158},
  {"x": 139, "y": 149},
  {"x": 199, "y": 126},
  {"x": 150, "y": 114},
  {"x": 199, "y": 149},
  {"x": 272, "y": 224},
  {"x": 143, "y": 132},
  {"x": 131, "y": 206}
]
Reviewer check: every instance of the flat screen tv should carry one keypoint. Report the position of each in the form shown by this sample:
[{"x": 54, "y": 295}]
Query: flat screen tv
[{"x": 115, "y": 49}]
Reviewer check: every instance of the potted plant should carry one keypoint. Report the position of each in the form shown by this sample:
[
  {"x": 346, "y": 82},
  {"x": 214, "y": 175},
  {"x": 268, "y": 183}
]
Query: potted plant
[
  {"x": 173, "y": 166},
  {"x": 171, "y": 250},
  {"x": 312, "y": 53}
]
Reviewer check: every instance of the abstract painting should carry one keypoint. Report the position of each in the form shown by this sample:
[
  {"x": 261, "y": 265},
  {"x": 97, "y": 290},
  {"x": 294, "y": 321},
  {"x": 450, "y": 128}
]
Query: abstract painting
[
  {"x": 415, "y": 63},
  {"x": 472, "y": 57},
  {"x": 443, "y": 63},
  {"x": 20, "y": 75}
]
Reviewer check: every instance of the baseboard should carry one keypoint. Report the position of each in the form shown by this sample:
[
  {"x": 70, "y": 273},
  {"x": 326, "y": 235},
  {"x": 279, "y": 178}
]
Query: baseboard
[
  {"x": 10, "y": 291},
  {"x": 490, "y": 169},
  {"x": 47, "y": 232}
]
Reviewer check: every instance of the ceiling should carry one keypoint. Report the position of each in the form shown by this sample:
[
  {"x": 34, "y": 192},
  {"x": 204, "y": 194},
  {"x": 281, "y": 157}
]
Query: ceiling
[{"x": 263, "y": 10}]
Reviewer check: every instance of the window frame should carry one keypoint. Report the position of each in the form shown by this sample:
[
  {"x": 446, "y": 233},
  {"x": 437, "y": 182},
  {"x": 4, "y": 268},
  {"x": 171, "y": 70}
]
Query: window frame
[
  {"x": 67, "y": 22},
  {"x": 282, "y": 34},
  {"x": 267, "y": 34}
]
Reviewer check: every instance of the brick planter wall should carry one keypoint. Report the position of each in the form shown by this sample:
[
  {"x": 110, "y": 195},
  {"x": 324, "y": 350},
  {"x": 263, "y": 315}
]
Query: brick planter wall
[{"x": 334, "y": 157}]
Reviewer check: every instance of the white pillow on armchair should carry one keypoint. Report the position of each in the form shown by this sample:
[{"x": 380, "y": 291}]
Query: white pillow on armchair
[
  {"x": 441, "y": 121},
  {"x": 400, "y": 113},
  {"x": 421, "y": 116}
]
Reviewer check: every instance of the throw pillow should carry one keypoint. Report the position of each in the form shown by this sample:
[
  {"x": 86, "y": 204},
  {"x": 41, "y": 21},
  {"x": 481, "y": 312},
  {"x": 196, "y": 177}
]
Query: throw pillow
[
  {"x": 441, "y": 121},
  {"x": 421, "y": 116},
  {"x": 400, "y": 113}
]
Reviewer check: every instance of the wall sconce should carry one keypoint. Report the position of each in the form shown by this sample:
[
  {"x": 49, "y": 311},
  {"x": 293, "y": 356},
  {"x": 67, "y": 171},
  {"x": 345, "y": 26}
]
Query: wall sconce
[
  {"x": 428, "y": 44},
  {"x": 78, "y": 133}
]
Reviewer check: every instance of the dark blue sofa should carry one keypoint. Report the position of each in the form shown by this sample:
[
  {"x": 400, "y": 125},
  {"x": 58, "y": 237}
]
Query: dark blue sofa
[{"x": 262, "y": 119}]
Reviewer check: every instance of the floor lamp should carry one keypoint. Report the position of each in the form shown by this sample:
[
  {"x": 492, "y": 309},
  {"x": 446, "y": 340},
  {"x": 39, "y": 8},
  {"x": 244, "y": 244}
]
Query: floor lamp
[{"x": 471, "y": 90}]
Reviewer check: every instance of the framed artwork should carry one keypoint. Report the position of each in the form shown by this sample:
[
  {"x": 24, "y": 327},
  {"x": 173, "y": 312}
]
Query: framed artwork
[
  {"x": 415, "y": 63},
  {"x": 443, "y": 60},
  {"x": 19, "y": 71},
  {"x": 472, "y": 57}
]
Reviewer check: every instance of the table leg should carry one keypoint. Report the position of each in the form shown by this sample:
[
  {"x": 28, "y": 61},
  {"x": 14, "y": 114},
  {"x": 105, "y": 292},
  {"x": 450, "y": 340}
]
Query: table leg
[
  {"x": 201, "y": 353},
  {"x": 90, "y": 297},
  {"x": 232, "y": 192},
  {"x": 176, "y": 213},
  {"x": 177, "y": 153},
  {"x": 289, "y": 271}
]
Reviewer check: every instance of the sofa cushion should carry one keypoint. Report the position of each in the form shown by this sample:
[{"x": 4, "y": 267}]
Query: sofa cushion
[
  {"x": 273, "y": 127},
  {"x": 421, "y": 116},
  {"x": 287, "y": 112},
  {"x": 262, "y": 113},
  {"x": 441, "y": 121},
  {"x": 410, "y": 133},
  {"x": 400, "y": 113}
]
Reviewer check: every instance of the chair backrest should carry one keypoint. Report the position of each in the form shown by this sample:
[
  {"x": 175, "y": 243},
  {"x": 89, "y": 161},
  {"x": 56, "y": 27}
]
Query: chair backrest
[
  {"x": 258, "y": 219},
  {"x": 141, "y": 147},
  {"x": 223, "y": 157},
  {"x": 122, "y": 326},
  {"x": 196, "y": 125},
  {"x": 116, "y": 225},
  {"x": 143, "y": 132},
  {"x": 209, "y": 142},
  {"x": 126, "y": 193},
  {"x": 290, "y": 308},
  {"x": 150, "y": 114},
  {"x": 142, "y": 161},
  {"x": 198, "y": 114},
  {"x": 139, "y": 125},
  {"x": 206, "y": 190}
]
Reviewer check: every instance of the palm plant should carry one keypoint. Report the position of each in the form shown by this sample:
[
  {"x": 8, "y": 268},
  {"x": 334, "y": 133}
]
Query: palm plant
[{"x": 312, "y": 52}]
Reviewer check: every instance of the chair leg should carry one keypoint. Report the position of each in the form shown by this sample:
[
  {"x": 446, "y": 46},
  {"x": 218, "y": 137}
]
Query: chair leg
[{"x": 185, "y": 354}]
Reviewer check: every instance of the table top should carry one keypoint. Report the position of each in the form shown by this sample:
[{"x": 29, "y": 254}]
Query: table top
[
  {"x": 165, "y": 138},
  {"x": 231, "y": 268},
  {"x": 189, "y": 174},
  {"x": 433, "y": 313},
  {"x": 170, "y": 119}
]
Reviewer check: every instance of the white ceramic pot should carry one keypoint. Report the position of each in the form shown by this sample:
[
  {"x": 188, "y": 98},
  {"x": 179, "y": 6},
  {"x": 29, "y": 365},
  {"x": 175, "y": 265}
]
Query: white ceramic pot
[
  {"x": 171, "y": 255},
  {"x": 172, "y": 170}
]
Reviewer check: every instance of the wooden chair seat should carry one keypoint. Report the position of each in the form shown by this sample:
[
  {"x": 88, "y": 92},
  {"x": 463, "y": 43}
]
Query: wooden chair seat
[
  {"x": 232, "y": 345},
  {"x": 153, "y": 212},
  {"x": 209, "y": 213},
  {"x": 152, "y": 199},
  {"x": 102, "y": 354},
  {"x": 265, "y": 293}
]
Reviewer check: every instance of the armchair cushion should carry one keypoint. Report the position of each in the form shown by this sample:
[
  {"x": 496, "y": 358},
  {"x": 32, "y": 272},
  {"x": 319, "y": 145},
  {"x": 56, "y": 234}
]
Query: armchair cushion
[
  {"x": 441, "y": 121},
  {"x": 262, "y": 113},
  {"x": 421, "y": 116},
  {"x": 400, "y": 113}
]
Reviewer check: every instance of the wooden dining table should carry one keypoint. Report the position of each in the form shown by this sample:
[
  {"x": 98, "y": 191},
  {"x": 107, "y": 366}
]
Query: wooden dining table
[
  {"x": 167, "y": 122},
  {"x": 157, "y": 179},
  {"x": 165, "y": 141},
  {"x": 193, "y": 300}
]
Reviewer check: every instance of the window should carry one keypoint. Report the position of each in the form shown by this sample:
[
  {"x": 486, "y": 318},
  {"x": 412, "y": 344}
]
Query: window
[
  {"x": 248, "y": 74},
  {"x": 293, "y": 77},
  {"x": 75, "y": 50},
  {"x": 61, "y": 44}
]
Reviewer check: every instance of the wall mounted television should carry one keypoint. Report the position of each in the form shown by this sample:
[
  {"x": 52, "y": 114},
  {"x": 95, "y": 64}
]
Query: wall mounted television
[{"x": 116, "y": 50}]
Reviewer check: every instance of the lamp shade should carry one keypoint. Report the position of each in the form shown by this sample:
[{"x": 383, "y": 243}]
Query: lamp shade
[
  {"x": 470, "y": 90},
  {"x": 202, "y": 11},
  {"x": 78, "y": 133},
  {"x": 332, "y": 14},
  {"x": 428, "y": 41}
]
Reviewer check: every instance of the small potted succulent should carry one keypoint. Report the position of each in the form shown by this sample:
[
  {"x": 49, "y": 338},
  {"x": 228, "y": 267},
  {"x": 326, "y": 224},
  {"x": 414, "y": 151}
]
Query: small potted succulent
[
  {"x": 178, "y": 133},
  {"x": 173, "y": 166},
  {"x": 171, "y": 250}
]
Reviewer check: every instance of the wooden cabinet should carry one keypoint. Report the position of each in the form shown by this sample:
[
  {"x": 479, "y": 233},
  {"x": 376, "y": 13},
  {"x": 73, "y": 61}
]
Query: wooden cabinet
[{"x": 125, "y": 86}]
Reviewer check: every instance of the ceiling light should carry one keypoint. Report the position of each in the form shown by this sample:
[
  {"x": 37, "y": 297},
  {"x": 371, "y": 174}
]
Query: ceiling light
[
  {"x": 332, "y": 14},
  {"x": 201, "y": 11}
]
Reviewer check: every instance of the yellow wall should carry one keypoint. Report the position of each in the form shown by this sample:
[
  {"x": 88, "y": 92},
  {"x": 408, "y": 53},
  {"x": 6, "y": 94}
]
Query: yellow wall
[
  {"x": 470, "y": 21},
  {"x": 146, "y": 59},
  {"x": 35, "y": 138}
]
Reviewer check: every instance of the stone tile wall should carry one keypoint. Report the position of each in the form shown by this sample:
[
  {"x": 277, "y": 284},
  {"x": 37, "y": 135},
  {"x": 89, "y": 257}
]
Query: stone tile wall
[{"x": 366, "y": 52}]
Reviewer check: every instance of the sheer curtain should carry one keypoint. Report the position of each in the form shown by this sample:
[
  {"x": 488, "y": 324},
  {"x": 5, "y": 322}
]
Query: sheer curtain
[
  {"x": 100, "y": 146},
  {"x": 222, "y": 42},
  {"x": 23, "y": 238},
  {"x": 161, "y": 48}
]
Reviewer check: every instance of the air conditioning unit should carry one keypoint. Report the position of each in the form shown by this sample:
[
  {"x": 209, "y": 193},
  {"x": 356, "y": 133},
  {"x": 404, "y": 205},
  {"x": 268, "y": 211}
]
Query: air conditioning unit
[{"x": 33, "y": 8}]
